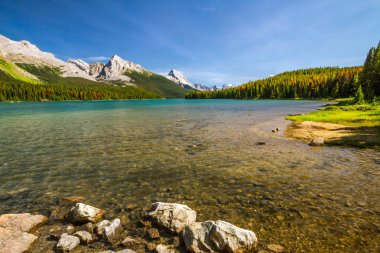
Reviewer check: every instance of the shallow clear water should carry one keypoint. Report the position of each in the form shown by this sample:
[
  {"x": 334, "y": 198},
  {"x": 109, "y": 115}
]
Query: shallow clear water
[{"x": 199, "y": 152}]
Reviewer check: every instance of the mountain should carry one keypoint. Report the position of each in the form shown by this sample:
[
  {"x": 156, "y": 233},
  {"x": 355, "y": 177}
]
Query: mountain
[
  {"x": 23, "y": 61},
  {"x": 227, "y": 86},
  {"x": 180, "y": 78},
  {"x": 202, "y": 87},
  {"x": 27, "y": 53},
  {"x": 118, "y": 71}
]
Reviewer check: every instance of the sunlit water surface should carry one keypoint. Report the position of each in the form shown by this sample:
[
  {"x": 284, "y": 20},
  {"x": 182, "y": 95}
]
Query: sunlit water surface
[{"x": 202, "y": 153}]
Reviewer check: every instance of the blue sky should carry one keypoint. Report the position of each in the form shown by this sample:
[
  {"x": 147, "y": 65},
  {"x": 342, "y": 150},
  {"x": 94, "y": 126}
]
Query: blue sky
[{"x": 212, "y": 42}]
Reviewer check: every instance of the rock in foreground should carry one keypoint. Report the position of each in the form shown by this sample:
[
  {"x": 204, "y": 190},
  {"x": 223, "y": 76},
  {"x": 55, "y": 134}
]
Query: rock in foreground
[
  {"x": 113, "y": 231},
  {"x": 67, "y": 242},
  {"x": 218, "y": 236},
  {"x": 82, "y": 213},
  {"x": 23, "y": 221},
  {"x": 13, "y": 231},
  {"x": 172, "y": 216}
]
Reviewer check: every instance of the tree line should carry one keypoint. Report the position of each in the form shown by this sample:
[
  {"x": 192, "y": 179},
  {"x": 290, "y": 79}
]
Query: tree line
[
  {"x": 330, "y": 82},
  {"x": 314, "y": 83}
]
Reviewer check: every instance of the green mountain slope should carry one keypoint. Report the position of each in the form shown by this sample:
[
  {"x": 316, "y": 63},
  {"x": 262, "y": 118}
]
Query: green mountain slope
[
  {"x": 158, "y": 84},
  {"x": 15, "y": 72},
  {"x": 54, "y": 87},
  {"x": 330, "y": 82}
]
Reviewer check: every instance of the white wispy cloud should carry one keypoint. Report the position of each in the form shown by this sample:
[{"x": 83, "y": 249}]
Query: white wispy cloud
[{"x": 96, "y": 58}]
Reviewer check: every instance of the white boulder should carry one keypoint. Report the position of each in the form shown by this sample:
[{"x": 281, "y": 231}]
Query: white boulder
[
  {"x": 82, "y": 213},
  {"x": 113, "y": 231},
  {"x": 67, "y": 242},
  {"x": 218, "y": 236},
  {"x": 172, "y": 216}
]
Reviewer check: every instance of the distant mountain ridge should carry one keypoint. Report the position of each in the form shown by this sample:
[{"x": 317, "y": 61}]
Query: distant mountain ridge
[
  {"x": 180, "y": 78},
  {"x": 16, "y": 56}
]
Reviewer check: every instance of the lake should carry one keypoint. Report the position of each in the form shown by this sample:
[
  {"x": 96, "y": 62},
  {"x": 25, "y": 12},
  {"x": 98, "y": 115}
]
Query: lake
[{"x": 202, "y": 153}]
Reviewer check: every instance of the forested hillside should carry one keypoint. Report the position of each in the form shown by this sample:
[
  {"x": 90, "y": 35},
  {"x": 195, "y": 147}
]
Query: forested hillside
[
  {"x": 54, "y": 87},
  {"x": 314, "y": 83},
  {"x": 331, "y": 82}
]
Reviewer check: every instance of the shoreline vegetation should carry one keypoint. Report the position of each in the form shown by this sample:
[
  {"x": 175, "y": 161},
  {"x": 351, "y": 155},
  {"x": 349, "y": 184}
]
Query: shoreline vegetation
[{"x": 342, "y": 124}]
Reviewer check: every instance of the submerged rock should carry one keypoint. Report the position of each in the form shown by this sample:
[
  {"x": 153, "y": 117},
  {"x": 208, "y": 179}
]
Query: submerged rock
[
  {"x": 14, "y": 228},
  {"x": 172, "y": 216},
  {"x": 153, "y": 233},
  {"x": 67, "y": 242},
  {"x": 84, "y": 237},
  {"x": 120, "y": 251},
  {"x": 275, "y": 248},
  {"x": 130, "y": 242},
  {"x": 218, "y": 236},
  {"x": 82, "y": 213},
  {"x": 71, "y": 200},
  {"x": 160, "y": 248},
  {"x": 319, "y": 141}
]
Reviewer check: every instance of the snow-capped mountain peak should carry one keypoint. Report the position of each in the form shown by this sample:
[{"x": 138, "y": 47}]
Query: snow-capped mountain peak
[
  {"x": 117, "y": 66},
  {"x": 26, "y": 52},
  {"x": 81, "y": 65},
  {"x": 179, "y": 78}
]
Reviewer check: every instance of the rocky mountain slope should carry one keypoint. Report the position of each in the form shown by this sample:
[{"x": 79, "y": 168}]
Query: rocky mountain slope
[
  {"x": 27, "y": 53},
  {"x": 116, "y": 69},
  {"x": 180, "y": 78}
]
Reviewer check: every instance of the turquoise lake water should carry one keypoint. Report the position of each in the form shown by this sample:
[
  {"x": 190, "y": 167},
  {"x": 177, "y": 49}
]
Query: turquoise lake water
[{"x": 202, "y": 153}]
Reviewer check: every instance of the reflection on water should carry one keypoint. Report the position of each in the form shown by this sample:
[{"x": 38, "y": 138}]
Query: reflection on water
[{"x": 201, "y": 153}]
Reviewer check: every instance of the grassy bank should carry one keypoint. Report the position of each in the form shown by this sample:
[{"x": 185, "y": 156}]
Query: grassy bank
[{"x": 345, "y": 124}]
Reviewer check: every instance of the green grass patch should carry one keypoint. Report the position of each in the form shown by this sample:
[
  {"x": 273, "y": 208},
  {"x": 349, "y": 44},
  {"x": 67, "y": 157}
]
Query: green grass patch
[
  {"x": 349, "y": 115},
  {"x": 363, "y": 120},
  {"x": 15, "y": 72}
]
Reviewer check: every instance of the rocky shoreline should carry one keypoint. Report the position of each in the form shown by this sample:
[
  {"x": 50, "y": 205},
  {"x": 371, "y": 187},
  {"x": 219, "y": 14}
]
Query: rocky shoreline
[{"x": 73, "y": 226}]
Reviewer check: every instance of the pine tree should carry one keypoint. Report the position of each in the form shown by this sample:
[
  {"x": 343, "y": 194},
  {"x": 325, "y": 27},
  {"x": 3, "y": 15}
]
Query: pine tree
[{"x": 359, "y": 96}]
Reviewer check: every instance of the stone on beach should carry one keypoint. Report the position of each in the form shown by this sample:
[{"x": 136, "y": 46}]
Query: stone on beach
[
  {"x": 113, "y": 231},
  {"x": 15, "y": 241},
  {"x": 218, "y": 236},
  {"x": 84, "y": 236},
  {"x": 14, "y": 228},
  {"x": 99, "y": 227},
  {"x": 172, "y": 216},
  {"x": 82, "y": 213},
  {"x": 319, "y": 141},
  {"x": 67, "y": 242},
  {"x": 22, "y": 222}
]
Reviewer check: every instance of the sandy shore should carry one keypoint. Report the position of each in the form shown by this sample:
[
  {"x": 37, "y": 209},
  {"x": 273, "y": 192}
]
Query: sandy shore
[{"x": 333, "y": 134}]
